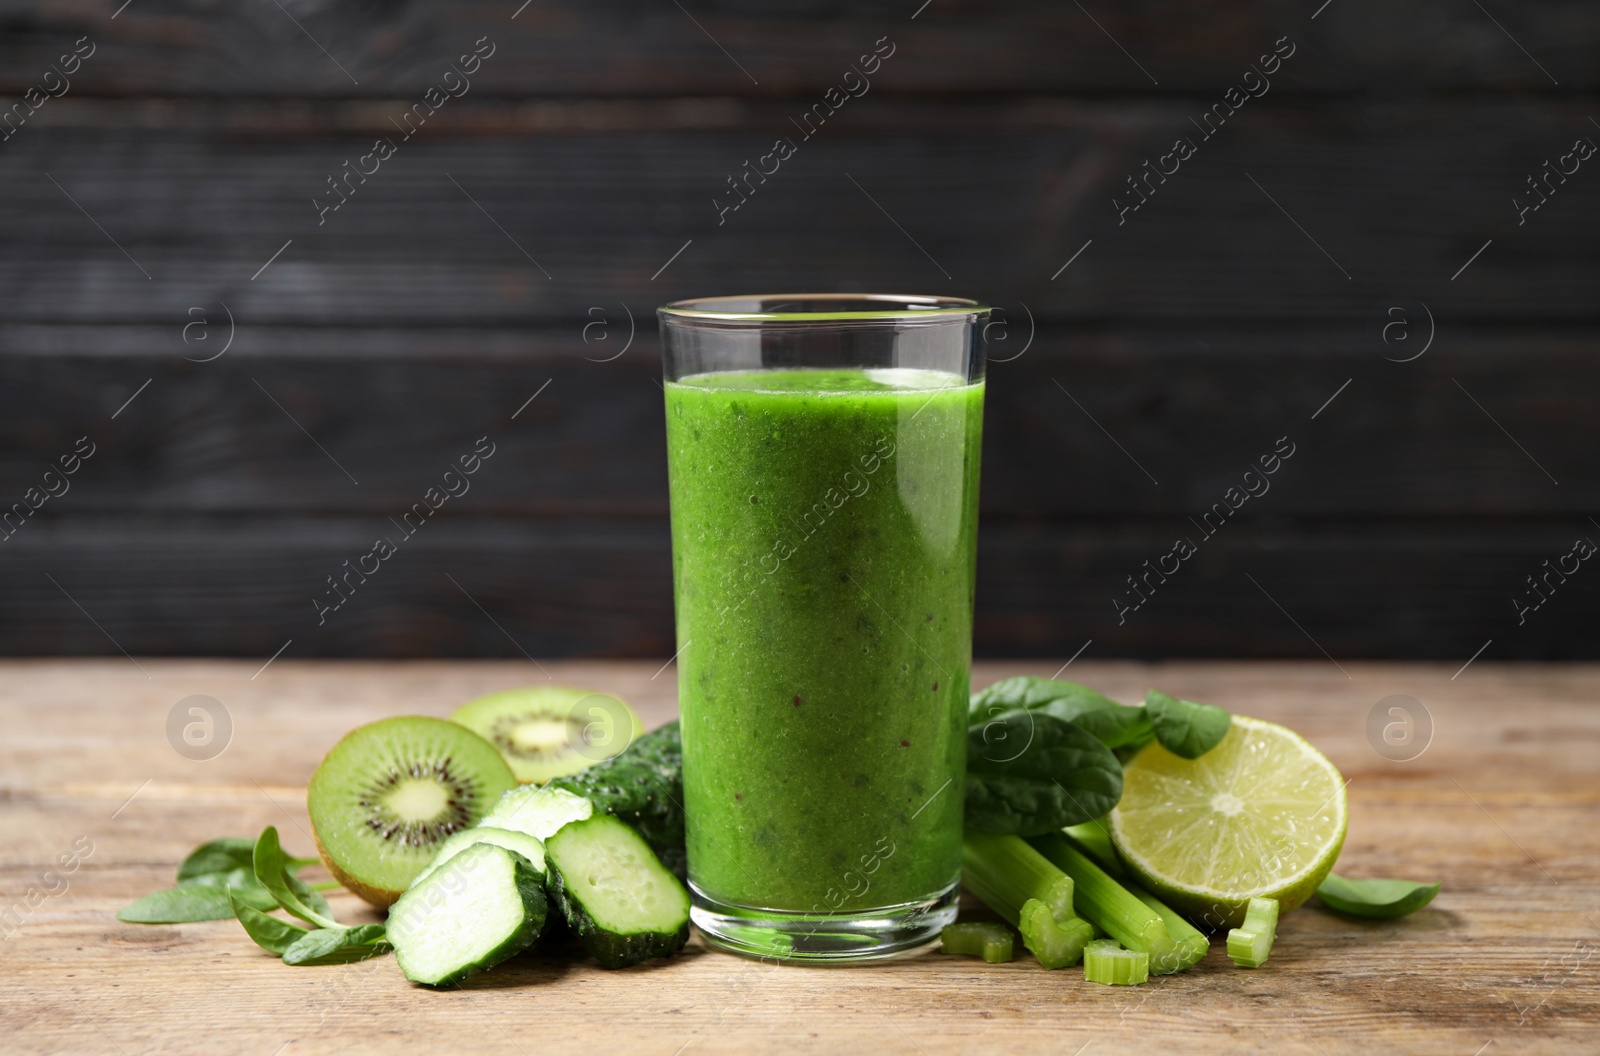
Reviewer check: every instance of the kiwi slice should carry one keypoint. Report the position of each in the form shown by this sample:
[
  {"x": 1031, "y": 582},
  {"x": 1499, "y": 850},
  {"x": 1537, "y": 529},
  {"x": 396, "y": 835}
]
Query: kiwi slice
[
  {"x": 391, "y": 792},
  {"x": 546, "y": 732}
]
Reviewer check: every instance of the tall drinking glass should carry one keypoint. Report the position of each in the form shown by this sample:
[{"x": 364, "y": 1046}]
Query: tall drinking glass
[{"x": 823, "y": 454}]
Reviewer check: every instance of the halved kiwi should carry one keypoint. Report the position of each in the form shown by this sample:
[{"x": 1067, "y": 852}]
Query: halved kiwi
[
  {"x": 391, "y": 792},
  {"x": 546, "y": 732}
]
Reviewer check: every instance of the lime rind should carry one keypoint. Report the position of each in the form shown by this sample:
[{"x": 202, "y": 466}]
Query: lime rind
[{"x": 1261, "y": 815}]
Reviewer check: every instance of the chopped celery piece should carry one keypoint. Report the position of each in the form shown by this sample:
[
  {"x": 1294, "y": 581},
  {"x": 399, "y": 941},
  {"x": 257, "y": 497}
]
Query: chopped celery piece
[
  {"x": 1106, "y": 962},
  {"x": 992, "y": 942},
  {"x": 1004, "y": 871},
  {"x": 1094, "y": 839},
  {"x": 1251, "y": 942},
  {"x": 1191, "y": 943},
  {"x": 1249, "y": 949},
  {"x": 1054, "y": 944},
  {"x": 1107, "y": 904}
]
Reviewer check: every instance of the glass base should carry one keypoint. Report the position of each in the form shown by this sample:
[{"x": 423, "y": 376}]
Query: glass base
[{"x": 835, "y": 938}]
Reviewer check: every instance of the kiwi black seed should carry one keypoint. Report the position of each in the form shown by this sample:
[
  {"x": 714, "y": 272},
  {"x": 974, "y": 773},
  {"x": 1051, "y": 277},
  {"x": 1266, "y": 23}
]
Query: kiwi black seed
[
  {"x": 545, "y": 732},
  {"x": 391, "y": 792},
  {"x": 387, "y": 821}
]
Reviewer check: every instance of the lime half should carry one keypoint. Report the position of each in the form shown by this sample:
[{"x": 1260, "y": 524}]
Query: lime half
[{"x": 1261, "y": 815}]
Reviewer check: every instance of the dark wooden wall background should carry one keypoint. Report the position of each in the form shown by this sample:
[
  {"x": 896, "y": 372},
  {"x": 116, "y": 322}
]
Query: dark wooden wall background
[{"x": 410, "y": 323}]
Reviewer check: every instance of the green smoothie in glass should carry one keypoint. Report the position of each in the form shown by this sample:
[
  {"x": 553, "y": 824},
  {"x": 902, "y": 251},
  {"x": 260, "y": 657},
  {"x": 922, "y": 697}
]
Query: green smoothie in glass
[{"x": 824, "y": 523}]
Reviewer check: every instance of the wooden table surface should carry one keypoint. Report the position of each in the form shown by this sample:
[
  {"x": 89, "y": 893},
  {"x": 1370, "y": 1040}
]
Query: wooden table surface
[{"x": 1501, "y": 807}]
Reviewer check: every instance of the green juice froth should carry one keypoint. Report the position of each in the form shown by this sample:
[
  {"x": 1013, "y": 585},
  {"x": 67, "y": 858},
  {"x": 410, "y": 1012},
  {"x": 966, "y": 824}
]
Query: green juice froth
[{"x": 823, "y": 537}]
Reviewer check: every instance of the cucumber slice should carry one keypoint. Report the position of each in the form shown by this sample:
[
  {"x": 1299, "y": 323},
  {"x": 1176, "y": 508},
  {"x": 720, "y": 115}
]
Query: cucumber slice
[
  {"x": 537, "y": 811},
  {"x": 486, "y": 904},
  {"x": 520, "y": 842},
  {"x": 617, "y": 897},
  {"x": 644, "y": 787}
]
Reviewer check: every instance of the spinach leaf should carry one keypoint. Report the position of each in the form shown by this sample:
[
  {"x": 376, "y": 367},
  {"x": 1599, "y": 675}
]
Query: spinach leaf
[
  {"x": 179, "y": 905},
  {"x": 202, "y": 897},
  {"x": 1114, "y": 725},
  {"x": 1027, "y": 691},
  {"x": 1378, "y": 899},
  {"x": 336, "y": 945},
  {"x": 1186, "y": 727},
  {"x": 207, "y": 876},
  {"x": 1118, "y": 726},
  {"x": 1030, "y": 773},
  {"x": 242, "y": 882},
  {"x": 217, "y": 856},
  {"x": 269, "y": 932},
  {"x": 292, "y": 893}
]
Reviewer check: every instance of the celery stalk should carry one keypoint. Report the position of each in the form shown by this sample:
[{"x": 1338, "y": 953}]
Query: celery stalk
[
  {"x": 1192, "y": 944},
  {"x": 1108, "y": 905},
  {"x": 1251, "y": 942},
  {"x": 1011, "y": 872},
  {"x": 1021, "y": 885},
  {"x": 1106, "y": 962},
  {"x": 1094, "y": 840},
  {"x": 992, "y": 942}
]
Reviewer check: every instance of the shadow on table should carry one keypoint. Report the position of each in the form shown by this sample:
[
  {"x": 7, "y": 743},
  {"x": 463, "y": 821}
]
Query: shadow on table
[{"x": 554, "y": 957}]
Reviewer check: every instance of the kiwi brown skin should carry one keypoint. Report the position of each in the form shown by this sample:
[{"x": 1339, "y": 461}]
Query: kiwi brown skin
[{"x": 380, "y": 897}]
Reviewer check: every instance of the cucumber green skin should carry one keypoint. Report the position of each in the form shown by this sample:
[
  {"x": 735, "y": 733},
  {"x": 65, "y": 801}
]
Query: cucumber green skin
[
  {"x": 643, "y": 786},
  {"x": 610, "y": 949},
  {"x": 536, "y": 909}
]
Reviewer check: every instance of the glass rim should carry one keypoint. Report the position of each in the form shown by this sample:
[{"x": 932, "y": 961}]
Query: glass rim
[{"x": 854, "y": 307}]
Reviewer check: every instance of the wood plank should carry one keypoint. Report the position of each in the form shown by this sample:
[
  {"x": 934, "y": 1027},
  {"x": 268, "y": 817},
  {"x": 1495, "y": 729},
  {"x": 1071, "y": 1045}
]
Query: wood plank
[
  {"x": 620, "y": 47},
  {"x": 178, "y": 585},
  {"x": 1196, "y": 407},
  {"x": 79, "y": 980},
  {"x": 601, "y": 197}
]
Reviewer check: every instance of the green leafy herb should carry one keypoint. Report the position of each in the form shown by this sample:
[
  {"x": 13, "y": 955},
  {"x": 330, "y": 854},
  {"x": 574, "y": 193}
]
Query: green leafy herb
[
  {"x": 242, "y": 881},
  {"x": 217, "y": 856},
  {"x": 269, "y": 932},
  {"x": 329, "y": 943},
  {"x": 178, "y": 905},
  {"x": 1028, "y": 691},
  {"x": 201, "y": 897},
  {"x": 206, "y": 878},
  {"x": 292, "y": 893},
  {"x": 1114, "y": 725},
  {"x": 1030, "y": 773},
  {"x": 1375, "y": 898},
  {"x": 1186, "y": 727},
  {"x": 336, "y": 945}
]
